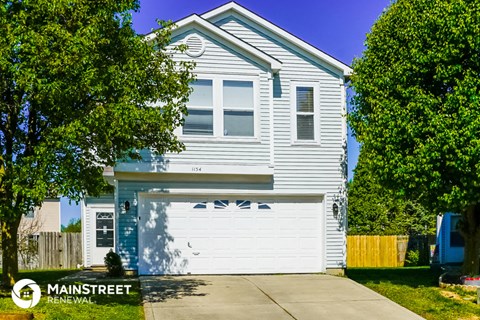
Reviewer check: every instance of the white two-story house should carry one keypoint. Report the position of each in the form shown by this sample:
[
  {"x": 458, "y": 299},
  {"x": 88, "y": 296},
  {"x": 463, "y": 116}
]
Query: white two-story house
[{"x": 260, "y": 187}]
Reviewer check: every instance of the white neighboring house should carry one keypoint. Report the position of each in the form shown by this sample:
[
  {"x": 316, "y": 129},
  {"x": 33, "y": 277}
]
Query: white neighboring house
[
  {"x": 42, "y": 219},
  {"x": 260, "y": 187}
]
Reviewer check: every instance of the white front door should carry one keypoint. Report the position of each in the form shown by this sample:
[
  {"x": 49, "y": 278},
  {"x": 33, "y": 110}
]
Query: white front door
[
  {"x": 102, "y": 234},
  {"x": 228, "y": 235}
]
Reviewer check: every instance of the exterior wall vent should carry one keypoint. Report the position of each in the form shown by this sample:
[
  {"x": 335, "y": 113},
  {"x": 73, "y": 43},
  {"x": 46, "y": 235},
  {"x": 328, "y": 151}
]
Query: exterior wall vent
[{"x": 196, "y": 45}]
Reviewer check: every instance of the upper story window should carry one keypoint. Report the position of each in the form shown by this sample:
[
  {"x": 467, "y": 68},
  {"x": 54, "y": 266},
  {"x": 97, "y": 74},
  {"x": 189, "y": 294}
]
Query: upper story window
[
  {"x": 200, "y": 109},
  {"x": 238, "y": 105},
  {"x": 305, "y": 109},
  {"x": 221, "y": 108}
]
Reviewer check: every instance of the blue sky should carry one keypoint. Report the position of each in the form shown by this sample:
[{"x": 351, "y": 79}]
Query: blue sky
[{"x": 336, "y": 27}]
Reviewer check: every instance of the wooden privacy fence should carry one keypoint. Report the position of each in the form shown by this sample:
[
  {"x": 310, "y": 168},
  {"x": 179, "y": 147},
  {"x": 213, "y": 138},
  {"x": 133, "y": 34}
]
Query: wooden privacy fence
[
  {"x": 376, "y": 251},
  {"x": 57, "y": 250}
]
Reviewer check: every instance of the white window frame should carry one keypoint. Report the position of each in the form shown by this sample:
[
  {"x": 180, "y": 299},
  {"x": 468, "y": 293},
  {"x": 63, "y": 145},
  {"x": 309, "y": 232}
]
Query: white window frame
[
  {"x": 218, "y": 110},
  {"x": 316, "y": 111}
]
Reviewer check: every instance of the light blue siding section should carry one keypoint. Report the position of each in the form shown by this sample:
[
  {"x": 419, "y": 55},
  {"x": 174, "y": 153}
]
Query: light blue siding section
[{"x": 127, "y": 234}]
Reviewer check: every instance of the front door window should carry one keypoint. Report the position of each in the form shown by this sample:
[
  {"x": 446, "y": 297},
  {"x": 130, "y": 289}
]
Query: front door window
[{"x": 104, "y": 228}]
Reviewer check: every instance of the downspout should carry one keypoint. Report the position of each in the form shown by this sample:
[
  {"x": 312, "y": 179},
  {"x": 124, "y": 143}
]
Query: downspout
[
  {"x": 271, "y": 120},
  {"x": 116, "y": 215},
  {"x": 85, "y": 231},
  {"x": 345, "y": 166}
]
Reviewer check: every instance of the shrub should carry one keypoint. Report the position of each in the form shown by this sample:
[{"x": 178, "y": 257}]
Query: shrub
[
  {"x": 413, "y": 258},
  {"x": 114, "y": 264}
]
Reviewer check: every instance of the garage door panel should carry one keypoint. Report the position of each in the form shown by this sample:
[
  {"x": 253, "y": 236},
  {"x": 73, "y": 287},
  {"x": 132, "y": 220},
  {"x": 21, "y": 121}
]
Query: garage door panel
[
  {"x": 245, "y": 263},
  {"x": 222, "y": 224},
  {"x": 243, "y": 223},
  {"x": 266, "y": 243},
  {"x": 266, "y": 224},
  {"x": 286, "y": 224},
  {"x": 307, "y": 223},
  {"x": 309, "y": 244},
  {"x": 201, "y": 222},
  {"x": 177, "y": 223},
  {"x": 220, "y": 243},
  {"x": 240, "y": 243},
  {"x": 204, "y": 235}
]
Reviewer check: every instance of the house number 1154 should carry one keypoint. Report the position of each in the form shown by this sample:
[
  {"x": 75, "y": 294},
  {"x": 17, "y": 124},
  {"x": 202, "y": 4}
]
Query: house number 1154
[{"x": 196, "y": 169}]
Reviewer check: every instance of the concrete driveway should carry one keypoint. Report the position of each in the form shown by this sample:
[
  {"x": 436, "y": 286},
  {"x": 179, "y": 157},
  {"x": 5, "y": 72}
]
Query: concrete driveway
[{"x": 278, "y": 297}]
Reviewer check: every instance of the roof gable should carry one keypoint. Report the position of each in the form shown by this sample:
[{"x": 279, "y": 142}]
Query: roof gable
[
  {"x": 283, "y": 34},
  {"x": 195, "y": 20}
]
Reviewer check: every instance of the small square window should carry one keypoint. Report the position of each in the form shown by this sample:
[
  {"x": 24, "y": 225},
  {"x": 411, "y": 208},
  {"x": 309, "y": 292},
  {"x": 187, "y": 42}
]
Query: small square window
[
  {"x": 244, "y": 204},
  {"x": 104, "y": 238},
  {"x": 202, "y": 93},
  {"x": 305, "y": 127},
  {"x": 221, "y": 204},
  {"x": 201, "y": 205},
  {"x": 304, "y": 99},
  {"x": 238, "y": 94},
  {"x": 238, "y": 123},
  {"x": 198, "y": 122},
  {"x": 263, "y": 206}
]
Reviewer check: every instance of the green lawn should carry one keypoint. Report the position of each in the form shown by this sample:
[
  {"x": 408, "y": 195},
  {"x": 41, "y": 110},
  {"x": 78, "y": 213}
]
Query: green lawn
[
  {"x": 105, "y": 306},
  {"x": 417, "y": 289}
]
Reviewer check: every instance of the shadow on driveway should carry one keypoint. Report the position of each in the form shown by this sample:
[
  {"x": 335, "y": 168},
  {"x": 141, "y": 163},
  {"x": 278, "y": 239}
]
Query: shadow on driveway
[{"x": 163, "y": 288}]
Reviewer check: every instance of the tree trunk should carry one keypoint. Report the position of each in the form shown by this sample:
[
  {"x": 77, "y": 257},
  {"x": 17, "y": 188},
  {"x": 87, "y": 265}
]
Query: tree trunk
[
  {"x": 470, "y": 230},
  {"x": 9, "y": 252}
]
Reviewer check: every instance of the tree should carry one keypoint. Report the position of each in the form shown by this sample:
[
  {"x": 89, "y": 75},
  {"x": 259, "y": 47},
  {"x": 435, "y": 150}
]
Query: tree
[
  {"x": 417, "y": 107},
  {"x": 375, "y": 210},
  {"x": 74, "y": 225},
  {"x": 80, "y": 90}
]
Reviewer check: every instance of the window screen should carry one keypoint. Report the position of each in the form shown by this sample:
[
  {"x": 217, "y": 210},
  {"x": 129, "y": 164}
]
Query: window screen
[
  {"x": 305, "y": 113},
  {"x": 238, "y": 105}
]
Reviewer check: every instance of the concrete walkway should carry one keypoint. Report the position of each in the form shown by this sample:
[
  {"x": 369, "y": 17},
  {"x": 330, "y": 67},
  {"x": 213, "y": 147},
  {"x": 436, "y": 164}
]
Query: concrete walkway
[{"x": 299, "y": 297}]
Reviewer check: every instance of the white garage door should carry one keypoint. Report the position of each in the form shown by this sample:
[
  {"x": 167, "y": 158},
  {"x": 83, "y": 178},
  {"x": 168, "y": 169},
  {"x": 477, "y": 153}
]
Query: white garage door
[{"x": 228, "y": 235}]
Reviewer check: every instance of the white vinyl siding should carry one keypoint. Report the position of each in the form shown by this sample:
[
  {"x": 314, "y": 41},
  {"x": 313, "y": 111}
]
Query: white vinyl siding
[{"x": 304, "y": 166}]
